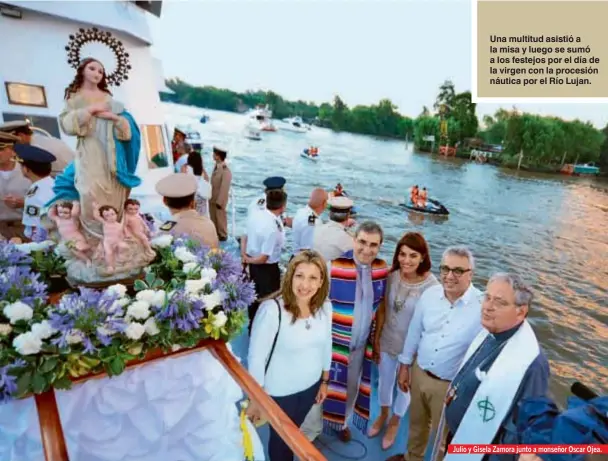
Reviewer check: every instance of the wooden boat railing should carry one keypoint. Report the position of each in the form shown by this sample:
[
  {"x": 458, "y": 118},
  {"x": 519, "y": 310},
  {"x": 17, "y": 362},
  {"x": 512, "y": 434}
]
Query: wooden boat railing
[{"x": 53, "y": 440}]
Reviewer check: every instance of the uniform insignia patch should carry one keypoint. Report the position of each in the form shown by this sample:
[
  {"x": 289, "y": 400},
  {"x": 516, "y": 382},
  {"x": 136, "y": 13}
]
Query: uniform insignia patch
[
  {"x": 168, "y": 226},
  {"x": 311, "y": 220},
  {"x": 32, "y": 191},
  {"x": 261, "y": 202},
  {"x": 279, "y": 225},
  {"x": 32, "y": 210}
]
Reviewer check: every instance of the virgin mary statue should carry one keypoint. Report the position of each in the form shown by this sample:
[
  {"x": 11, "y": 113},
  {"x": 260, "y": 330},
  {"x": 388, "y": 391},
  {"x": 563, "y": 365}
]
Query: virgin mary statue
[{"x": 103, "y": 171}]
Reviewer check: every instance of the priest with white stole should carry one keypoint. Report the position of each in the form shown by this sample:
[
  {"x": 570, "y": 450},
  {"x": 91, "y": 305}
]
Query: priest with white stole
[{"x": 503, "y": 365}]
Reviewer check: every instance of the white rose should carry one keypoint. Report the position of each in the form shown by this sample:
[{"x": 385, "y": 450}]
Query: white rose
[
  {"x": 162, "y": 241},
  {"x": 184, "y": 255},
  {"x": 5, "y": 329},
  {"x": 175, "y": 348},
  {"x": 190, "y": 267},
  {"x": 145, "y": 295},
  {"x": 151, "y": 327},
  {"x": 135, "y": 331},
  {"x": 118, "y": 289},
  {"x": 18, "y": 311},
  {"x": 194, "y": 286},
  {"x": 220, "y": 319},
  {"x": 212, "y": 300},
  {"x": 208, "y": 273},
  {"x": 26, "y": 248},
  {"x": 74, "y": 337},
  {"x": 105, "y": 331},
  {"x": 122, "y": 302},
  {"x": 159, "y": 298},
  {"x": 43, "y": 330},
  {"x": 27, "y": 343},
  {"x": 139, "y": 310}
]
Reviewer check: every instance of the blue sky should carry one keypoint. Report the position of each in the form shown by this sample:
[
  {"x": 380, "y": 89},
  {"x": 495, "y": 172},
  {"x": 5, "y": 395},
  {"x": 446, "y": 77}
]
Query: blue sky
[{"x": 314, "y": 49}]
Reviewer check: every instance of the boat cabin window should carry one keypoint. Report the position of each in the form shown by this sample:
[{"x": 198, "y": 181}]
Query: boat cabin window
[
  {"x": 48, "y": 124},
  {"x": 259, "y": 118},
  {"x": 154, "y": 145}
]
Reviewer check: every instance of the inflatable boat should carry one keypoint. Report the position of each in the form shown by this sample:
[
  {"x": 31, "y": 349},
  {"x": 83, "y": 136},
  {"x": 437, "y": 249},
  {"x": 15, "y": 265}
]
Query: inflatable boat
[{"x": 432, "y": 207}]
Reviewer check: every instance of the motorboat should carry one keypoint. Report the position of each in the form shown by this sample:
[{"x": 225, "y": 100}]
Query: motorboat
[
  {"x": 260, "y": 117},
  {"x": 307, "y": 155},
  {"x": 295, "y": 125},
  {"x": 193, "y": 137},
  {"x": 253, "y": 133},
  {"x": 432, "y": 207}
]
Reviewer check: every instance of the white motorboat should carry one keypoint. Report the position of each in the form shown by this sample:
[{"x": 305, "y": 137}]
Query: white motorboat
[
  {"x": 261, "y": 117},
  {"x": 295, "y": 124},
  {"x": 253, "y": 134}
]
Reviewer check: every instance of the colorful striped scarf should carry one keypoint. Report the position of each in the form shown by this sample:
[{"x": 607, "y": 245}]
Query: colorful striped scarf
[{"x": 342, "y": 293}]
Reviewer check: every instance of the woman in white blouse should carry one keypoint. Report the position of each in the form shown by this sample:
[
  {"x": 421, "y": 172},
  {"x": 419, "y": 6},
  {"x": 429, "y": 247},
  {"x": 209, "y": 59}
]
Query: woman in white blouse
[
  {"x": 291, "y": 345},
  {"x": 410, "y": 276},
  {"x": 194, "y": 165}
]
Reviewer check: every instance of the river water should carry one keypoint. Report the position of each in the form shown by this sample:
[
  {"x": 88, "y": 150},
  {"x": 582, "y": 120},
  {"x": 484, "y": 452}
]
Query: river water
[{"x": 550, "y": 229}]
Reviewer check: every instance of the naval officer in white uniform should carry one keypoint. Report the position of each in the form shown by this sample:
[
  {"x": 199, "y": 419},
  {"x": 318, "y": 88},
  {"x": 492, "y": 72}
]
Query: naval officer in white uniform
[
  {"x": 332, "y": 239},
  {"x": 259, "y": 204},
  {"x": 307, "y": 219},
  {"x": 265, "y": 240},
  {"x": 36, "y": 165}
]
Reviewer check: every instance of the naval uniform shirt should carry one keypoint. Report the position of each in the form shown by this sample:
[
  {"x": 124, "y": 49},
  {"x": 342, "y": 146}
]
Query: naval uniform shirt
[
  {"x": 39, "y": 194},
  {"x": 265, "y": 236},
  {"x": 303, "y": 227}
]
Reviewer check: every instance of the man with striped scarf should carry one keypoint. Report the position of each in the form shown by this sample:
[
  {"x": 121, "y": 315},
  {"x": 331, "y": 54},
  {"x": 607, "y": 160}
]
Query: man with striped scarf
[{"x": 357, "y": 287}]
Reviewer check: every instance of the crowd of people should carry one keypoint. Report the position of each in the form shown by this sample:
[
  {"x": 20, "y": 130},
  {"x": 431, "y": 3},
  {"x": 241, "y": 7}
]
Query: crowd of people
[
  {"x": 459, "y": 359},
  {"x": 442, "y": 347}
]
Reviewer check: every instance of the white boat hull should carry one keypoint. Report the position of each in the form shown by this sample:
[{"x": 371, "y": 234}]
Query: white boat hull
[
  {"x": 309, "y": 157},
  {"x": 294, "y": 129}
]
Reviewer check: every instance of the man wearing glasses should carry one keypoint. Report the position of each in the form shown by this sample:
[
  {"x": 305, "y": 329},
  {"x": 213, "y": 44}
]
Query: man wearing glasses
[{"x": 446, "y": 320}]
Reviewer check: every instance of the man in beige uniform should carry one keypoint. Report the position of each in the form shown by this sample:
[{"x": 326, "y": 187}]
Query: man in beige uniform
[
  {"x": 13, "y": 187},
  {"x": 64, "y": 155},
  {"x": 332, "y": 239},
  {"x": 178, "y": 191},
  {"x": 221, "y": 180}
]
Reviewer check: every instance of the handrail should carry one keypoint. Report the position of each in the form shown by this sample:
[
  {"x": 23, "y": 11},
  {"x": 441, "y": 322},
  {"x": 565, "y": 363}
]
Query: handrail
[{"x": 53, "y": 440}]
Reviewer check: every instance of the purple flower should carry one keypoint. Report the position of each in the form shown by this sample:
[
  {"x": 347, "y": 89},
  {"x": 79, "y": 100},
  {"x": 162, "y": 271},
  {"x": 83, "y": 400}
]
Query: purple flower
[
  {"x": 40, "y": 235},
  {"x": 224, "y": 263},
  {"x": 182, "y": 311},
  {"x": 88, "y": 318},
  {"x": 8, "y": 383},
  {"x": 11, "y": 256},
  {"x": 238, "y": 292},
  {"x": 18, "y": 283}
]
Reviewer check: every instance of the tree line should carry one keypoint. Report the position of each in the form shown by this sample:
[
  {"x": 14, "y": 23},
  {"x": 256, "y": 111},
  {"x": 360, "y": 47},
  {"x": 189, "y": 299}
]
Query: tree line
[{"x": 546, "y": 142}]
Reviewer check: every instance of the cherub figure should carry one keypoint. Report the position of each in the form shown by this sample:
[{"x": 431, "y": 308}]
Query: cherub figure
[
  {"x": 113, "y": 233},
  {"x": 135, "y": 225},
  {"x": 65, "y": 216}
]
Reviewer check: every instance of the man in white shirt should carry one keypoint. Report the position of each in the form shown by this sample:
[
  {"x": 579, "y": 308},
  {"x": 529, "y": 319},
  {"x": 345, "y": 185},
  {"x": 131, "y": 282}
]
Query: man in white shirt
[
  {"x": 265, "y": 240},
  {"x": 13, "y": 187},
  {"x": 36, "y": 165},
  {"x": 259, "y": 204},
  {"x": 446, "y": 320},
  {"x": 332, "y": 239},
  {"x": 307, "y": 219}
]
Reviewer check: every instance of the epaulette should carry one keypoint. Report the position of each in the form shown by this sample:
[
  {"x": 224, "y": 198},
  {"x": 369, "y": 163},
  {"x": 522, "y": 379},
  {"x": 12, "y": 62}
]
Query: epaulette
[
  {"x": 167, "y": 226},
  {"x": 32, "y": 191},
  {"x": 278, "y": 225},
  {"x": 32, "y": 210},
  {"x": 311, "y": 220}
]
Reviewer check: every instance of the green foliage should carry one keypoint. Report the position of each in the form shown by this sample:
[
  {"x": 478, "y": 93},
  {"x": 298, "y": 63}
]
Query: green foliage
[
  {"x": 546, "y": 142},
  {"x": 381, "y": 119}
]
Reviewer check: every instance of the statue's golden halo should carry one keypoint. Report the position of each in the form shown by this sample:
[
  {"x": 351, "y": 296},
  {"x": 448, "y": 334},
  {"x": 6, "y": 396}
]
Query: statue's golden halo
[{"x": 84, "y": 36}]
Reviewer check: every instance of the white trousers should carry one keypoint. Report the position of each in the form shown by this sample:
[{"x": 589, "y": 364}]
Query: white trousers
[
  {"x": 313, "y": 424},
  {"x": 388, "y": 369}
]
